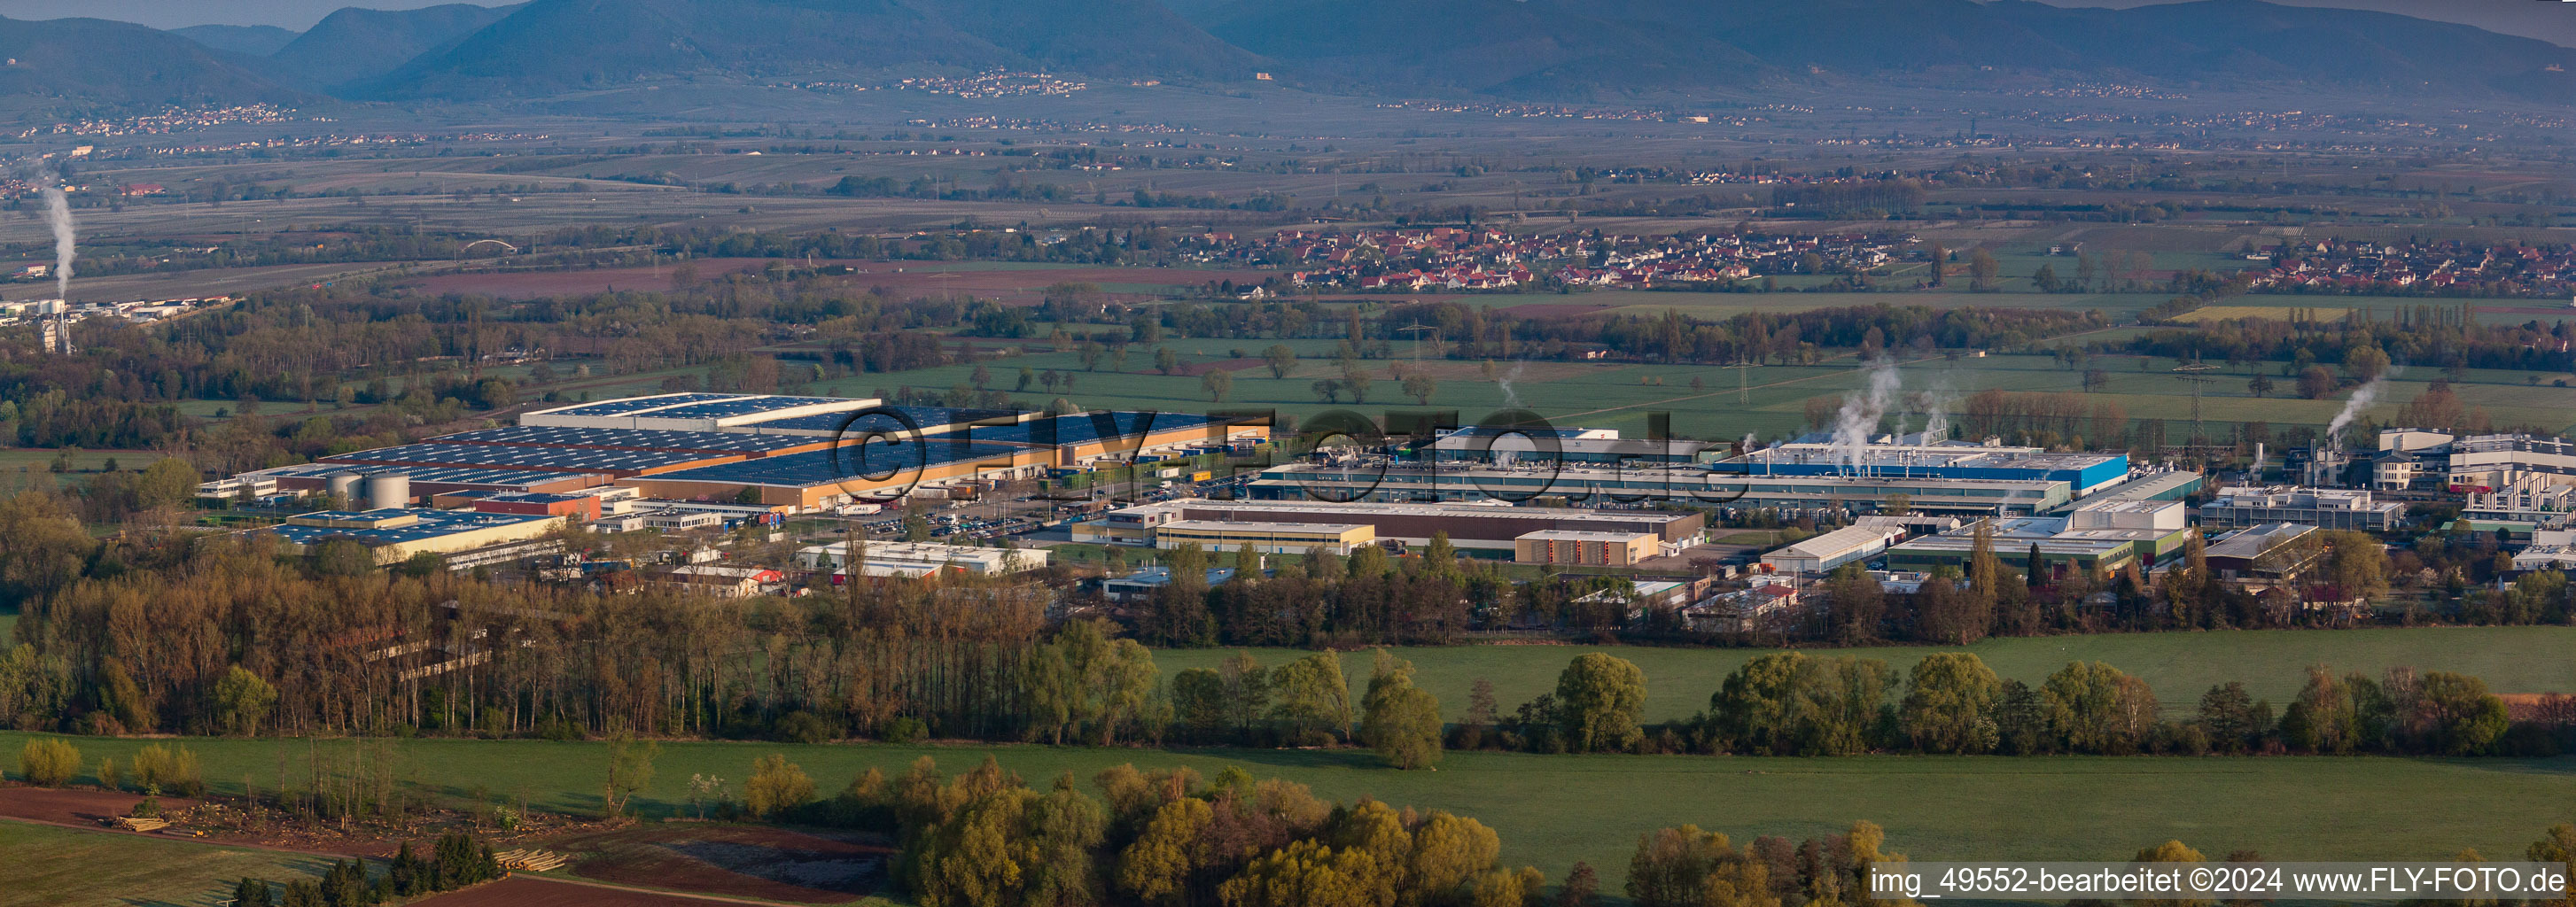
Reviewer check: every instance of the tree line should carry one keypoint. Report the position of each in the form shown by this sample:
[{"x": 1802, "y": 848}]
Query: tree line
[{"x": 220, "y": 635}]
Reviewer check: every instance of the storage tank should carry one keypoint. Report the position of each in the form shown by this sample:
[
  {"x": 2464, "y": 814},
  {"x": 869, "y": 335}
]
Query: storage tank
[
  {"x": 388, "y": 489},
  {"x": 344, "y": 487}
]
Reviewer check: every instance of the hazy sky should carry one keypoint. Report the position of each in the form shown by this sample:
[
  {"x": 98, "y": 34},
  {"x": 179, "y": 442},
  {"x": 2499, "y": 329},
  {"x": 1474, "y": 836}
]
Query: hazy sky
[{"x": 2547, "y": 21}]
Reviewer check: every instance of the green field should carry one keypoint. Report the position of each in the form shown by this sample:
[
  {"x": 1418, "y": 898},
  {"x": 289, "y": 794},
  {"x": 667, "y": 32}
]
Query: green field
[
  {"x": 2273, "y": 663},
  {"x": 1619, "y": 395},
  {"x": 1554, "y": 810},
  {"x": 32, "y": 467},
  {"x": 50, "y": 866}
]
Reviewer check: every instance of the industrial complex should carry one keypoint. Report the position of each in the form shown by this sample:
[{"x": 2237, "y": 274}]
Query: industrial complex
[{"x": 1911, "y": 510}]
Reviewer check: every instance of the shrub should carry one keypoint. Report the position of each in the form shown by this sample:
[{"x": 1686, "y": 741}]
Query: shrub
[
  {"x": 48, "y": 762},
  {"x": 805, "y": 727},
  {"x": 777, "y": 787},
  {"x": 170, "y": 768},
  {"x": 904, "y": 729}
]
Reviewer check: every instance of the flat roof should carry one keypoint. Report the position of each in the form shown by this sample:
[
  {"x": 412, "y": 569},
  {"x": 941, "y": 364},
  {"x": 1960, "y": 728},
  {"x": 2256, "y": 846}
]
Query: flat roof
[
  {"x": 1464, "y": 511},
  {"x": 1256, "y": 528},
  {"x": 2256, "y": 539},
  {"x": 745, "y": 406},
  {"x": 624, "y": 438},
  {"x": 434, "y": 475},
  {"x": 533, "y": 458},
  {"x": 1463, "y": 442},
  {"x": 2150, "y": 486},
  {"x": 631, "y": 405},
  {"x": 1578, "y": 535},
  {"x": 1085, "y": 428},
  {"x": 1835, "y": 542},
  {"x": 926, "y": 551},
  {"x": 1921, "y": 456},
  {"x": 428, "y": 524},
  {"x": 849, "y": 462},
  {"x": 2065, "y": 544},
  {"x": 2126, "y": 505},
  {"x": 873, "y": 417}
]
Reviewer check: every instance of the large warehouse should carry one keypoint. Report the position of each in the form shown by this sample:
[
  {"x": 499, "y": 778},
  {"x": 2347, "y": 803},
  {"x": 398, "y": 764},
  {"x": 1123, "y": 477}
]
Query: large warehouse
[
  {"x": 1485, "y": 530},
  {"x": 1680, "y": 484},
  {"x": 2083, "y": 473},
  {"x": 788, "y": 453}
]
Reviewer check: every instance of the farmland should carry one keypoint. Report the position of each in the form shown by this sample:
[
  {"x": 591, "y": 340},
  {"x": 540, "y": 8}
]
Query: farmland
[
  {"x": 61, "y": 866},
  {"x": 1618, "y": 395},
  {"x": 1554, "y": 810},
  {"x": 2180, "y": 666}
]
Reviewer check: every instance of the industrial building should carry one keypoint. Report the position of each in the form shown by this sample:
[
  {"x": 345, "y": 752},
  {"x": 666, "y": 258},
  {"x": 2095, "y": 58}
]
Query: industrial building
[
  {"x": 2527, "y": 498},
  {"x": 1479, "y": 530},
  {"x": 398, "y": 534},
  {"x": 2099, "y": 540},
  {"x": 2324, "y": 508},
  {"x": 913, "y": 559},
  {"x": 1140, "y": 585},
  {"x": 1265, "y": 538},
  {"x": 2265, "y": 555},
  {"x": 874, "y": 469},
  {"x": 721, "y": 580},
  {"x": 1689, "y": 485},
  {"x": 2477, "y": 463},
  {"x": 787, "y": 454},
  {"x": 691, "y": 411},
  {"x": 2098, "y": 543},
  {"x": 2550, "y": 549},
  {"x": 2083, "y": 473},
  {"x": 1579, "y": 548},
  {"x": 1823, "y": 553},
  {"x": 1587, "y": 446},
  {"x": 2160, "y": 485}
]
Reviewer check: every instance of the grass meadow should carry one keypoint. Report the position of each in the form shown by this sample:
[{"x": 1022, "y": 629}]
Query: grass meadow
[
  {"x": 62, "y": 866},
  {"x": 1554, "y": 810},
  {"x": 1770, "y": 401},
  {"x": 2180, "y": 666}
]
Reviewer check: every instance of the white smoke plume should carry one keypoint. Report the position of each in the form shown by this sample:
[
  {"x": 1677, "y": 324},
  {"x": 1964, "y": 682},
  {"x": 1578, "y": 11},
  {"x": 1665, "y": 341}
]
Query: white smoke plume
[
  {"x": 1936, "y": 414},
  {"x": 1861, "y": 411},
  {"x": 58, "y": 214},
  {"x": 1511, "y": 398},
  {"x": 2361, "y": 400}
]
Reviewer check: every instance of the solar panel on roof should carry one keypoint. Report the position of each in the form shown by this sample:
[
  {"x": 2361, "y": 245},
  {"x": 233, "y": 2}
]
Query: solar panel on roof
[
  {"x": 633, "y": 438},
  {"x": 868, "y": 462},
  {"x": 569, "y": 459},
  {"x": 638, "y": 404},
  {"x": 926, "y": 417},
  {"x": 1084, "y": 428},
  {"x": 741, "y": 406}
]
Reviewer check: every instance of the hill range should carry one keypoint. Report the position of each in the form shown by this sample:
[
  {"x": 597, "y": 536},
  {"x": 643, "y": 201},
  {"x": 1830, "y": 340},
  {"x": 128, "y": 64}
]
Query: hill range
[{"x": 1523, "y": 49}]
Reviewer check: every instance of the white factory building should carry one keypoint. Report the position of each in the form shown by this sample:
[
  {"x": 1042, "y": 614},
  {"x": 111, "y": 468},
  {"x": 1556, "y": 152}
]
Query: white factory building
[
  {"x": 1824, "y": 553},
  {"x": 913, "y": 559}
]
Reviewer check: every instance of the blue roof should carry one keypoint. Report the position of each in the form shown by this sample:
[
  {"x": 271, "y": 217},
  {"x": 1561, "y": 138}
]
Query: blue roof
[
  {"x": 561, "y": 459},
  {"x": 1161, "y": 576},
  {"x": 636, "y": 404},
  {"x": 629, "y": 438},
  {"x": 872, "y": 462},
  {"x": 876, "y": 417},
  {"x": 432, "y": 524},
  {"x": 1084, "y": 428},
  {"x": 454, "y": 475},
  {"x": 740, "y": 406}
]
